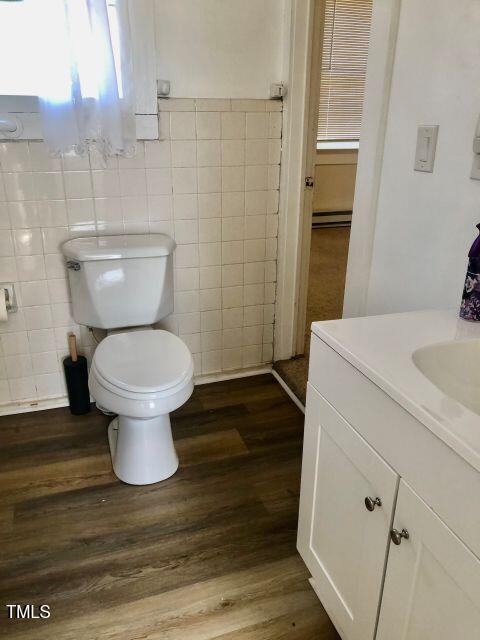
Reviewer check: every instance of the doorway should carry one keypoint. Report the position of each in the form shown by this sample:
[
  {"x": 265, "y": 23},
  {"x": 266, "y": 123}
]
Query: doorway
[{"x": 338, "y": 69}]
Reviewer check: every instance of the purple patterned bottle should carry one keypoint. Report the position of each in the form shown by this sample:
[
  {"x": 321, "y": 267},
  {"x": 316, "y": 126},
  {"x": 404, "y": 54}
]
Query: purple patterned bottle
[{"x": 470, "y": 307}]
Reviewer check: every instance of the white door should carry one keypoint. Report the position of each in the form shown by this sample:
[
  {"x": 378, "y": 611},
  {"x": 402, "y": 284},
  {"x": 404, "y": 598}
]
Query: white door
[
  {"x": 432, "y": 585},
  {"x": 343, "y": 543}
]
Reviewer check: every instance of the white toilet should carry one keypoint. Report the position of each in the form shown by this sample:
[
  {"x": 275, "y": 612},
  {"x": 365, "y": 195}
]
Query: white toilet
[{"x": 126, "y": 282}]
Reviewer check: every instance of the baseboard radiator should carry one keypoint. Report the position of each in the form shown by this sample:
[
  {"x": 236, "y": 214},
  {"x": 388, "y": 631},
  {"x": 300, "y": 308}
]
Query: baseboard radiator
[{"x": 331, "y": 219}]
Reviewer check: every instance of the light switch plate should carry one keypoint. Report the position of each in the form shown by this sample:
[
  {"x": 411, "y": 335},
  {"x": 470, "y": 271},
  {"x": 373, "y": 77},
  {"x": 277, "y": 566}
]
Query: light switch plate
[{"x": 426, "y": 146}]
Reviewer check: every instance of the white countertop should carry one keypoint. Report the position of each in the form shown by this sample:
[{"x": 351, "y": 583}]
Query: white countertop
[{"x": 381, "y": 348}]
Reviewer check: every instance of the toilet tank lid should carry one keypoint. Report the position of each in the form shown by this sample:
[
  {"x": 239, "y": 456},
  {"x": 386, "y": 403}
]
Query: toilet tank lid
[{"x": 149, "y": 245}]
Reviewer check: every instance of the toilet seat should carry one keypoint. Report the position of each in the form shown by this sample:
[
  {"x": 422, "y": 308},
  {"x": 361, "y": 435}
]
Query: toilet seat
[
  {"x": 143, "y": 362},
  {"x": 141, "y": 374},
  {"x": 135, "y": 395}
]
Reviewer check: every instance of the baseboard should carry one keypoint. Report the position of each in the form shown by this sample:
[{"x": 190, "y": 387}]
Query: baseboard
[
  {"x": 55, "y": 403},
  {"x": 232, "y": 375},
  {"x": 288, "y": 391},
  {"x": 36, "y": 405}
]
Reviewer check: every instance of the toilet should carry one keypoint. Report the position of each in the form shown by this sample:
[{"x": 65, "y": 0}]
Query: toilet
[{"x": 124, "y": 284}]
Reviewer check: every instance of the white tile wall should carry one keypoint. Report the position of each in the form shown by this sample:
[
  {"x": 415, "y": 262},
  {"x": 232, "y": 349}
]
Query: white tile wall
[{"x": 211, "y": 181}]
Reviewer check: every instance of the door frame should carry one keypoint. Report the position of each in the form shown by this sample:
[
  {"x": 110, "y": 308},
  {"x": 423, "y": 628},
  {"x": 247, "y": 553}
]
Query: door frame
[
  {"x": 316, "y": 45},
  {"x": 294, "y": 234}
]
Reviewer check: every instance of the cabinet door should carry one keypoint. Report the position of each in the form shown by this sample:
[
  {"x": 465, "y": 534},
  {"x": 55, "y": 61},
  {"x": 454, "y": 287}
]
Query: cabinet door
[
  {"x": 432, "y": 584},
  {"x": 343, "y": 544}
]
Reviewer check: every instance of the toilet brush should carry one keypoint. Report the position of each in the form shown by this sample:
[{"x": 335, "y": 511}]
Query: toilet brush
[{"x": 76, "y": 376}]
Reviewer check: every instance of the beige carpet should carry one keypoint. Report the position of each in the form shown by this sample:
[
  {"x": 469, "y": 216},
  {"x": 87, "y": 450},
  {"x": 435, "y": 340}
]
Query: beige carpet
[{"x": 326, "y": 284}]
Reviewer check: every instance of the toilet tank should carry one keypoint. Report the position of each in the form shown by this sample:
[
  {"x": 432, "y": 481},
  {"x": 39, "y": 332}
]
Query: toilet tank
[{"x": 120, "y": 281}]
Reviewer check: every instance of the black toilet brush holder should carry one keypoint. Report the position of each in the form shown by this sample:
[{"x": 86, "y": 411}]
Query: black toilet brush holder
[{"x": 76, "y": 376}]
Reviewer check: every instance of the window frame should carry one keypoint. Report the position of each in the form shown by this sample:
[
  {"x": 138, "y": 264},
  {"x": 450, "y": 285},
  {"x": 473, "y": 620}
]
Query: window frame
[
  {"x": 337, "y": 144},
  {"x": 141, "y": 13}
]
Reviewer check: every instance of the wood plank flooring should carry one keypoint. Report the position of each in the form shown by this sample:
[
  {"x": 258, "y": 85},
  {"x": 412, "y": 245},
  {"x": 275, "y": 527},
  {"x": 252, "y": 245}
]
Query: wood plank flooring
[{"x": 208, "y": 554}]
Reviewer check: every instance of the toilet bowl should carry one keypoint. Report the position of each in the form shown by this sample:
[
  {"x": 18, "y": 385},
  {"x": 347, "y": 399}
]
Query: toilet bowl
[{"x": 142, "y": 376}]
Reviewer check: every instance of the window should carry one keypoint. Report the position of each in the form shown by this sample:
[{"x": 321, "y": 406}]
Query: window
[
  {"x": 24, "y": 37},
  {"x": 343, "y": 70},
  {"x": 23, "y": 44},
  {"x": 17, "y": 54}
]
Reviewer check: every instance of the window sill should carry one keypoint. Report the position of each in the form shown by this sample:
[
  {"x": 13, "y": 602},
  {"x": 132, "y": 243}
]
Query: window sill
[
  {"x": 337, "y": 145},
  {"x": 30, "y": 127}
]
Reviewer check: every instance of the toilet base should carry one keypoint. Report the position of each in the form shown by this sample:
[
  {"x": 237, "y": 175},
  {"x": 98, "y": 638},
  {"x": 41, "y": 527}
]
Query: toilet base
[{"x": 142, "y": 450}]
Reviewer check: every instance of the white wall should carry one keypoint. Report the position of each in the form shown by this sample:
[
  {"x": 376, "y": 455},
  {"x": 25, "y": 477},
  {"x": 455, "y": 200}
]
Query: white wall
[
  {"x": 426, "y": 222},
  {"x": 219, "y": 48},
  {"x": 335, "y": 173}
]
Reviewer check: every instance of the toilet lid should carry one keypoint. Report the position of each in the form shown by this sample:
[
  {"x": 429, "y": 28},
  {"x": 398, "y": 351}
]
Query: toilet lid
[{"x": 143, "y": 361}]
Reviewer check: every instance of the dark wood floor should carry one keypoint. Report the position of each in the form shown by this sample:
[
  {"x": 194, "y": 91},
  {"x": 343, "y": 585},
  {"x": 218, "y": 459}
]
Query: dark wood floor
[{"x": 209, "y": 553}]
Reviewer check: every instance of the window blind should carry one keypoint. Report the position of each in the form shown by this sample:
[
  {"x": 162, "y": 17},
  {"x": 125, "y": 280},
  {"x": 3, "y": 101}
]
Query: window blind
[{"x": 343, "y": 68}]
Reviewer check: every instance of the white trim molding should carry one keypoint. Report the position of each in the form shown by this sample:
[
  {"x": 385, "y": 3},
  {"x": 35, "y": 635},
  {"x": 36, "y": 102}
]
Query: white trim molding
[
  {"x": 142, "y": 25},
  {"x": 383, "y": 42},
  {"x": 146, "y": 124},
  {"x": 335, "y": 145},
  {"x": 292, "y": 186},
  {"x": 288, "y": 391}
]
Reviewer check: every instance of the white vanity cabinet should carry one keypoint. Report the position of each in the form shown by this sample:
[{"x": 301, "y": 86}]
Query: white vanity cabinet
[
  {"x": 432, "y": 584},
  {"x": 377, "y": 523},
  {"x": 342, "y": 542}
]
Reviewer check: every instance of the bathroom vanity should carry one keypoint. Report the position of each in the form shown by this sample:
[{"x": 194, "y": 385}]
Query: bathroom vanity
[{"x": 389, "y": 523}]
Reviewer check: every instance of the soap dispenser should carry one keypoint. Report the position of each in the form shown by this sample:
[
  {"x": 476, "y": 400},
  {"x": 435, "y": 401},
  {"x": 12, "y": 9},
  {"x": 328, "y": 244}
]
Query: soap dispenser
[{"x": 470, "y": 307}]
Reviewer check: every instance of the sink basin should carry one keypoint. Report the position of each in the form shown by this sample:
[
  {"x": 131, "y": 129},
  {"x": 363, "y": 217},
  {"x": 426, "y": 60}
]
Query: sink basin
[{"x": 453, "y": 367}]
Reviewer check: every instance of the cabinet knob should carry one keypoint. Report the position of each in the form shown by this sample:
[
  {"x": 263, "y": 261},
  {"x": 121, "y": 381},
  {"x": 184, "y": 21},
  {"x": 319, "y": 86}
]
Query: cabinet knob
[
  {"x": 397, "y": 535},
  {"x": 371, "y": 503}
]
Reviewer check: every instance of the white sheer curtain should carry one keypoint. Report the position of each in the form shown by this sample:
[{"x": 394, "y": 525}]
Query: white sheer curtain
[{"x": 87, "y": 97}]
